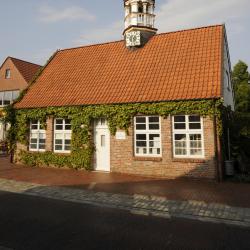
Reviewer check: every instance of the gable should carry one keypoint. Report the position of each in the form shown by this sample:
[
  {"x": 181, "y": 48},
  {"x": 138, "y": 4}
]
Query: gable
[
  {"x": 180, "y": 65},
  {"x": 16, "y": 80}
]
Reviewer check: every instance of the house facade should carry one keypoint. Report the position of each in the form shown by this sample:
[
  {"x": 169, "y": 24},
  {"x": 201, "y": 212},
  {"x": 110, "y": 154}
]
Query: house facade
[
  {"x": 149, "y": 105},
  {"x": 15, "y": 74}
]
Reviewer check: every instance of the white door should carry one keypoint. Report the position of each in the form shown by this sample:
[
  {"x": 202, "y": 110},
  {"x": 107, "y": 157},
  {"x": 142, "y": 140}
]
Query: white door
[{"x": 102, "y": 145}]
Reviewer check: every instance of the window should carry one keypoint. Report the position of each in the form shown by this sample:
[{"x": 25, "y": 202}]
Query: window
[
  {"x": 7, "y": 97},
  {"x": 228, "y": 80},
  {"x": 62, "y": 135},
  {"x": 37, "y": 136},
  {"x": 7, "y": 74},
  {"x": 188, "y": 136},
  {"x": 15, "y": 94},
  {"x": 147, "y": 136}
]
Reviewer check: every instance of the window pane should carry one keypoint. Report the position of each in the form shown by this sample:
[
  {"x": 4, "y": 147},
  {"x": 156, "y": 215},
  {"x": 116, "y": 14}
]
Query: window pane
[
  {"x": 194, "y": 118},
  {"x": 33, "y": 141},
  {"x": 141, "y": 151},
  {"x": 41, "y": 146},
  {"x": 7, "y": 73},
  {"x": 68, "y": 142},
  {"x": 33, "y": 146},
  {"x": 57, "y": 141},
  {"x": 68, "y": 136},
  {"x": 194, "y": 126},
  {"x": 102, "y": 140},
  {"x": 154, "y": 126},
  {"x": 196, "y": 152},
  {"x": 59, "y": 121},
  {"x": 141, "y": 137},
  {"x": 67, "y": 124},
  {"x": 15, "y": 94},
  {"x": 154, "y": 141},
  {"x": 67, "y": 147},
  {"x": 141, "y": 126},
  {"x": 7, "y": 97},
  {"x": 67, "y": 127},
  {"x": 154, "y": 119},
  {"x": 59, "y": 124},
  {"x": 141, "y": 143},
  {"x": 180, "y": 137},
  {"x": 195, "y": 137},
  {"x": 58, "y": 136},
  {"x": 140, "y": 119},
  {"x": 1, "y": 98},
  {"x": 58, "y": 147},
  {"x": 180, "y": 126},
  {"x": 179, "y": 118},
  {"x": 180, "y": 151}
]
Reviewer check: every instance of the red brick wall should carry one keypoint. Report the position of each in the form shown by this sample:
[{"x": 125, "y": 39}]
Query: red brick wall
[
  {"x": 16, "y": 80},
  {"x": 123, "y": 160}
]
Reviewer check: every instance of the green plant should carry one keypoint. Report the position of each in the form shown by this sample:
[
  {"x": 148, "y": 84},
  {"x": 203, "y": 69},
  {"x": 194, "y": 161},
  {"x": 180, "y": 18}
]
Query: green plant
[{"x": 118, "y": 116}]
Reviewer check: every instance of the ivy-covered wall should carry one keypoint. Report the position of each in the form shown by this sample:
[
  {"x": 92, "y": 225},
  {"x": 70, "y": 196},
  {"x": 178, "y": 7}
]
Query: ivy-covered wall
[{"x": 118, "y": 116}]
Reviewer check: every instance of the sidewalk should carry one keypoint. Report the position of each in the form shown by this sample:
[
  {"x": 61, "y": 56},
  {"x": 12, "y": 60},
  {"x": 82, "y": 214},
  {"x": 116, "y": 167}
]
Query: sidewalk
[
  {"x": 232, "y": 194},
  {"x": 208, "y": 201},
  {"x": 136, "y": 204}
]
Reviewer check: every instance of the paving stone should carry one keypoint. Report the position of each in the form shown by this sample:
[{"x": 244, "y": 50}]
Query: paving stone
[{"x": 142, "y": 204}]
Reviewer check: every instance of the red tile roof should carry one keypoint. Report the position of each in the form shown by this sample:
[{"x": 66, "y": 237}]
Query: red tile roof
[
  {"x": 171, "y": 66},
  {"x": 26, "y": 69}
]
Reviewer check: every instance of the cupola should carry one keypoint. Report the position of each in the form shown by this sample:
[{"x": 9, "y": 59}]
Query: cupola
[{"x": 139, "y": 22}]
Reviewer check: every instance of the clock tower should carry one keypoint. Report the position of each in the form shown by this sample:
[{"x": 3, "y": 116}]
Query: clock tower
[{"x": 139, "y": 22}]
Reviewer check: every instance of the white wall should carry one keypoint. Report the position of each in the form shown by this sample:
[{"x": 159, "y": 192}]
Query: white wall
[{"x": 228, "y": 94}]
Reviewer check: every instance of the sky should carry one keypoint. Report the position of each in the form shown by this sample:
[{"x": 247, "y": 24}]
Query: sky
[{"x": 33, "y": 30}]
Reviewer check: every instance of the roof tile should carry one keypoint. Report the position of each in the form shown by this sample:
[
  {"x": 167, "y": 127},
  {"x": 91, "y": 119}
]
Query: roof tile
[{"x": 171, "y": 66}]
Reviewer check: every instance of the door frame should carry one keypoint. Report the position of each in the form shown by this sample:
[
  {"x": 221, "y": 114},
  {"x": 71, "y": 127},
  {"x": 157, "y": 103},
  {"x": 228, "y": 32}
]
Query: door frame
[{"x": 101, "y": 124}]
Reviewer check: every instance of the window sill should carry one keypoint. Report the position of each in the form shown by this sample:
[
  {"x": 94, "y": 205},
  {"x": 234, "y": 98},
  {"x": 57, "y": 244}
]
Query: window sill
[
  {"x": 62, "y": 153},
  {"x": 156, "y": 159},
  {"x": 187, "y": 160}
]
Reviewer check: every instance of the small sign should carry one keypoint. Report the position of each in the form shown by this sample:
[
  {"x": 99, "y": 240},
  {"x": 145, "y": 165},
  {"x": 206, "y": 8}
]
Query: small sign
[{"x": 120, "y": 135}]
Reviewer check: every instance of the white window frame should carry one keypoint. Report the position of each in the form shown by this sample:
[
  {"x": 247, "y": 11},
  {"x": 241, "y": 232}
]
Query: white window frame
[
  {"x": 12, "y": 97},
  {"x": 188, "y": 132},
  {"x": 147, "y": 131},
  {"x": 63, "y": 132},
  {"x": 39, "y": 131}
]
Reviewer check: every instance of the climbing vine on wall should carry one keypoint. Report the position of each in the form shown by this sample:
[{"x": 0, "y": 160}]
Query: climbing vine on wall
[{"x": 118, "y": 116}]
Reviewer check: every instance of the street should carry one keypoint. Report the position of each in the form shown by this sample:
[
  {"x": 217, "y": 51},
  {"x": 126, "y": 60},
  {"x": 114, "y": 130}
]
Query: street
[{"x": 36, "y": 223}]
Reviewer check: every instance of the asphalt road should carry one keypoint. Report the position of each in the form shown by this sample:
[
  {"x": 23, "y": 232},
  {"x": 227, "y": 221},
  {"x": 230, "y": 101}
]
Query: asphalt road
[{"x": 37, "y": 223}]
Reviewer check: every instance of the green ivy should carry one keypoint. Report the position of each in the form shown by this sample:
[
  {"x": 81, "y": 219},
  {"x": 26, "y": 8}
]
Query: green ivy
[{"x": 118, "y": 116}]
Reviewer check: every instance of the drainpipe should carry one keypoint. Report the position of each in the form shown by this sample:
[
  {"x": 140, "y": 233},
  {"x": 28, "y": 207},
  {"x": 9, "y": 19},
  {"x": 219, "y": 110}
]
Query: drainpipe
[{"x": 218, "y": 153}]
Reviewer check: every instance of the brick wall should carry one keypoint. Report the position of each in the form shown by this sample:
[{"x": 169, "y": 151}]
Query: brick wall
[
  {"x": 16, "y": 80},
  {"x": 123, "y": 160}
]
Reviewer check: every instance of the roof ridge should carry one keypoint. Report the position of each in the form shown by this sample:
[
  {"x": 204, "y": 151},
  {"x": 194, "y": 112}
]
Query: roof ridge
[
  {"x": 24, "y": 61},
  {"x": 163, "y": 33}
]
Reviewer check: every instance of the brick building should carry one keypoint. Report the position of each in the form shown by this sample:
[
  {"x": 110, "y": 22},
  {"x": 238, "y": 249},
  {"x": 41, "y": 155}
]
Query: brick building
[
  {"x": 15, "y": 74},
  {"x": 145, "y": 68}
]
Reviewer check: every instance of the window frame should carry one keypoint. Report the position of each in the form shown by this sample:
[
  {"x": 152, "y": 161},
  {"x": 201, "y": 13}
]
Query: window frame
[
  {"x": 2, "y": 97},
  {"x": 187, "y": 131},
  {"x": 7, "y": 74},
  {"x": 63, "y": 132},
  {"x": 228, "y": 79},
  {"x": 37, "y": 131},
  {"x": 147, "y": 131}
]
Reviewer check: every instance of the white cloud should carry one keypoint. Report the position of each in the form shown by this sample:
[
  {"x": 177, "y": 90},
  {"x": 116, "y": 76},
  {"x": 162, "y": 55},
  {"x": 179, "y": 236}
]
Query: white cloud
[
  {"x": 49, "y": 14},
  {"x": 106, "y": 34},
  {"x": 179, "y": 14}
]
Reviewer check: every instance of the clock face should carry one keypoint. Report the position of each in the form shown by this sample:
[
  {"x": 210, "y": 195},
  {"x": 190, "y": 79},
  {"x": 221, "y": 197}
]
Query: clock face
[{"x": 133, "y": 38}]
